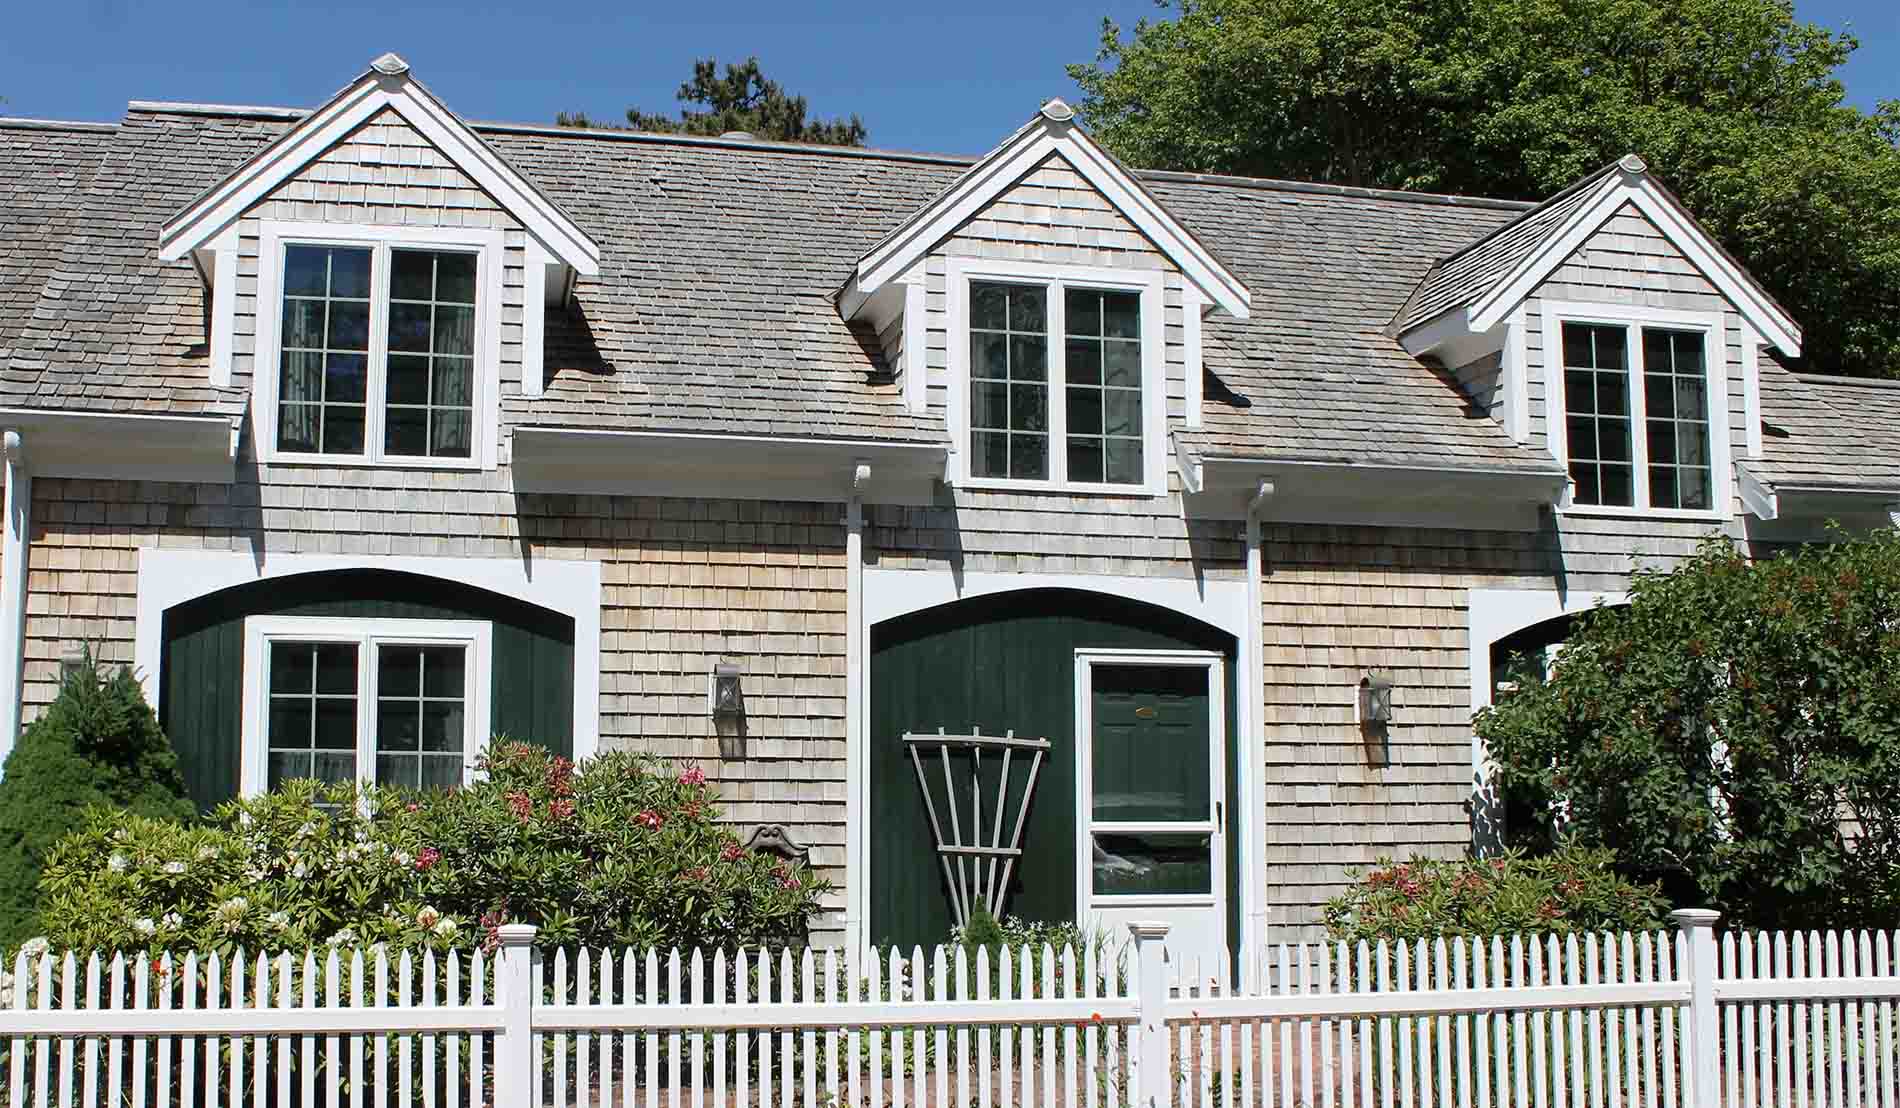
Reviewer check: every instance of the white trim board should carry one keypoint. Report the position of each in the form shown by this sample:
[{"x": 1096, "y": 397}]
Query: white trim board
[
  {"x": 170, "y": 577},
  {"x": 1220, "y": 603},
  {"x": 386, "y": 85}
]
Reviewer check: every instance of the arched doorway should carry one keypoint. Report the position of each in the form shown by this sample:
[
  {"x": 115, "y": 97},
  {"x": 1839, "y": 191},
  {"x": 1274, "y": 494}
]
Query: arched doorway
[
  {"x": 1157, "y": 691},
  {"x": 376, "y": 669}
]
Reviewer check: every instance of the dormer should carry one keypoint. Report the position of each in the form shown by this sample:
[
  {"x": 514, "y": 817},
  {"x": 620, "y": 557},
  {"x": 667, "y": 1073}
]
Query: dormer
[
  {"x": 1608, "y": 327},
  {"x": 1050, "y": 308},
  {"x": 376, "y": 277}
]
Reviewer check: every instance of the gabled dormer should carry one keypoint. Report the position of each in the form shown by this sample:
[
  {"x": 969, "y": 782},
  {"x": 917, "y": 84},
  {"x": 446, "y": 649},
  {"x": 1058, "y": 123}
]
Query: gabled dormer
[
  {"x": 376, "y": 277},
  {"x": 1607, "y": 326},
  {"x": 1050, "y": 308}
]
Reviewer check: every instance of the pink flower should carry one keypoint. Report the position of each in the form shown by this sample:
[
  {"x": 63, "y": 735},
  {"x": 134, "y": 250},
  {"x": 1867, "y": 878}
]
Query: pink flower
[
  {"x": 560, "y": 776},
  {"x": 413, "y": 806},
  {"x": 560, "y": 808},
  {"x": 789, "y": 881},
  {"x": 696, "y": 873},
  {"x": 730, "y": 852},
  {"x": 521, "y": 805},
  {"x": 693, "y": 776},
  {"x": 426, "y": 857},
  {"x": 650, "y": 819}
]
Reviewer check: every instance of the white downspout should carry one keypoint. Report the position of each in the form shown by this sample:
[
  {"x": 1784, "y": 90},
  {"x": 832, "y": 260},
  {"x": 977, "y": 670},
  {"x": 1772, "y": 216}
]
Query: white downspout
[
  {"x": 13, "y": 559},
  {"x": 1253, "y": 686},
  {"x": 856, "y": 725}
]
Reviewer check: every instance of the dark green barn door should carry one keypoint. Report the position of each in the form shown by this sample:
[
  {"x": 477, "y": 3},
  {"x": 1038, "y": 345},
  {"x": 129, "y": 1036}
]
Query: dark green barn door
[
  {"x": 201, "y": 683},
  {"x": 994, "y": 664}
]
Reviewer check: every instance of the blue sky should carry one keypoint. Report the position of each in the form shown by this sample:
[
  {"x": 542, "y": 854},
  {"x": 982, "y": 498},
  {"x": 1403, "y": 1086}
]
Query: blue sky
[{"x": 947, "y": 77}]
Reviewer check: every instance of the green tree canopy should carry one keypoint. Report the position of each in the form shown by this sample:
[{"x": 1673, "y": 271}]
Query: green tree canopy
[
  {"x": 1733, "y": 103},
  {"x": 1733, "y": 733},
  {"x": 741, "y": 100}
]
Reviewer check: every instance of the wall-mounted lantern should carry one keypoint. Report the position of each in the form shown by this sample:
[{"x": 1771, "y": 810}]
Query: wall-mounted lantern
[
  {"x": 1375, "y": 700},
  {"x": 728, "y": 711}
]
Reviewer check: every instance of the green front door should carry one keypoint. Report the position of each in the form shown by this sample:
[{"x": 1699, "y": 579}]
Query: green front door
[{"x": 996, "y": 664}]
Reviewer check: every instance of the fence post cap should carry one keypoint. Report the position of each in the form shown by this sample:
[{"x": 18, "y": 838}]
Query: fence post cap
[
  {"x": 1695, "y": 917},
  {"x": 1150, "y": 930},
  {"x": 516, "y": 934}
]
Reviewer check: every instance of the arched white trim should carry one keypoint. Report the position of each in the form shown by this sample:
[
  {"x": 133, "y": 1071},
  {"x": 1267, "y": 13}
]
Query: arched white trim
[
  {"x": 171, "y": 577},
  {"x": 1221, "y": 604}
]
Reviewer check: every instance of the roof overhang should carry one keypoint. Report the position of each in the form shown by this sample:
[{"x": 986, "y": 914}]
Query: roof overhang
[
  {"x": 1344, "y": 492},
  {"x": 1812, "y": 500},
  {"x": 125, "y": 446},
  {"x": 745, "y": 467},
  {"x": 1051, "y": 131},
  {"x": 389, "y": 85}
]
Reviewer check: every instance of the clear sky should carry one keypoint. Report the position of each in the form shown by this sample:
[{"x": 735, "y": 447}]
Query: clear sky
[{"x": 951, "y": 77}]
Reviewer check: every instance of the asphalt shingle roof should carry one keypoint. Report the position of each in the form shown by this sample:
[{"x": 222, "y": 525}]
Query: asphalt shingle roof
[
  {"x": 1828, "y": 432},
  {"x": 47, "y": 167}
]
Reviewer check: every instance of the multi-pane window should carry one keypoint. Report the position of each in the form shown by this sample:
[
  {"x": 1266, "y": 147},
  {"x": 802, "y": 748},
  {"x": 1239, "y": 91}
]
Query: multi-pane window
[
  {"x": 1076, "y": 418},
  {"x": 377, "y": 352},
  {"x": 1597, "y": 414},
  {"x": 1636, "y": 416},
  {"x": 395, "y": 702},
  {"x": 1009, "y": 381},
  {"x": 1103, "y": 376},
  {"x": 1675, "y": 392}
]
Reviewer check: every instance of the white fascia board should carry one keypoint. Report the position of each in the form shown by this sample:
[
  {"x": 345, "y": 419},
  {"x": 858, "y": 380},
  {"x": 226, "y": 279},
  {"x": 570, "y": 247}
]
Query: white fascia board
[
  {"x": 1517, "y": 377},
  {"x": 1193, "y": 304},
  {"x": 1751, "y": 392},
  {"x": 323, "y": 128},
  {"x": 562, "y": 460},
  {"x": 127, "y": 446},
  {"x": 1728, "y": 278},
  {"x": 1187, "y": 467},
  {"x": 224, "y": 269},
  {"x": 534, "y": 315},
  {"x": 1757, "y": 495},
  {"x": 916, "y": 346},
  {"x": 989, "y": 178},
  {"x": 1376, "y": 495}
]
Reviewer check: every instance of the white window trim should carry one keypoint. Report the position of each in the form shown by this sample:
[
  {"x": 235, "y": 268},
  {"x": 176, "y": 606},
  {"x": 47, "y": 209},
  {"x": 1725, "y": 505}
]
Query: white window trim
[
  {"x": 960, "y": 272},
  {"x": 487, "y": 244},
  {"x": 367, "y": 634},
  {"x": 1632, "y": 319},
  {"x": 1214, "y": 826}
]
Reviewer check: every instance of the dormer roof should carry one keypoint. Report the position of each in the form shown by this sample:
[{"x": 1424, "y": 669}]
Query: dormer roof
[{"x": 387, "y": 84}]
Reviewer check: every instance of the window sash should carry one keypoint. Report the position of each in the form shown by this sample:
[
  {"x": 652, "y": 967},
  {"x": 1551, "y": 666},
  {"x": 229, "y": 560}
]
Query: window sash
[
  {"x": 369, "y": 639},
  {"x": 461, "y": 420},
  {"x": 1059, "y": 396},
  {"x": 1672, "y": 458}
]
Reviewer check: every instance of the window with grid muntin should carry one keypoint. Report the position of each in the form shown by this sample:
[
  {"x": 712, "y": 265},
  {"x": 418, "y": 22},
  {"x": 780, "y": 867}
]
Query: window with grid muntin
[{"x": 1619, "y": 377}]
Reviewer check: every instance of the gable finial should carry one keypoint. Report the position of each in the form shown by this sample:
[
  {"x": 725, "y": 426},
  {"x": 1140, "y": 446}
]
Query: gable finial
[
  {"x": 1057, "y": 112},
  {"x": 1631, "y": 163},
  {"x": 390, "y": 65}
]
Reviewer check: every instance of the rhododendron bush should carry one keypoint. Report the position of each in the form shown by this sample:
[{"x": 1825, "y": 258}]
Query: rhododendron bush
[
  {"x": 1571, "y": 890},
  {"x": 616, "y": 850}
]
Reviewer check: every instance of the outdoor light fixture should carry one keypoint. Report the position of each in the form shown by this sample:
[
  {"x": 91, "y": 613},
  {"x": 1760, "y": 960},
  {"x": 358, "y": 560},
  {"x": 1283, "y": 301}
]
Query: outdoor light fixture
[
  {"x": 1375, "y": 700},
  {"x": 728, "y": 711}
]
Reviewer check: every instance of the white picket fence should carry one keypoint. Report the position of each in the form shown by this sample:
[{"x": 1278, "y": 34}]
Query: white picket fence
[{"x": 1658, "y": 1020}]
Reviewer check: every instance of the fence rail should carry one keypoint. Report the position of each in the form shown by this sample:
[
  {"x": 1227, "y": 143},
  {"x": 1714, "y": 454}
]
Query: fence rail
[{"x": 1675, "y": 1019}]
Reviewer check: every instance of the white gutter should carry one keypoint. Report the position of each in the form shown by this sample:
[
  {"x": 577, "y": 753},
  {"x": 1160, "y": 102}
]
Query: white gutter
[
  {"x": 1253, "y": 745},
  {"x": 13, "y": 564},
  {"x": 856, "y": 721}
]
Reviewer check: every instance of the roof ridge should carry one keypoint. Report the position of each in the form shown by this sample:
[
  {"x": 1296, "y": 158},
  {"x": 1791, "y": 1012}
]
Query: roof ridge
[
  {"x": 184, "y": 107},
  {"x": 1326, "y": 188},
  {"x": 1845, "y": 379},
  {"x": 24, "y": 124}
]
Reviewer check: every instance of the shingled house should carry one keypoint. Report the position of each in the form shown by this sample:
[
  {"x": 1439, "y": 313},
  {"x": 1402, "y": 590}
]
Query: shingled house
[{"x": 367, "y": 432}]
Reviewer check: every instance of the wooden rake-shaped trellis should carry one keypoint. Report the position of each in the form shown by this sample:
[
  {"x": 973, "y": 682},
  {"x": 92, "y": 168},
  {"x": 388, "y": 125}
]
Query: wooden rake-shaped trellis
[{"x": 972, "y": 867}]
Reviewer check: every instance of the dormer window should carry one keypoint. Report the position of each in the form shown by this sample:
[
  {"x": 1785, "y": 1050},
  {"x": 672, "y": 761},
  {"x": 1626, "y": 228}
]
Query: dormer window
[
  {"x": 385, "y": 346},
  {"x": 1060, "y": 376},
  {"x": 1638, "y": 413}
]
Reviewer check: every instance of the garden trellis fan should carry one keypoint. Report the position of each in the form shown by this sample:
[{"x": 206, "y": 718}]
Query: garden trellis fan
[{"x": 976, "y": 871}]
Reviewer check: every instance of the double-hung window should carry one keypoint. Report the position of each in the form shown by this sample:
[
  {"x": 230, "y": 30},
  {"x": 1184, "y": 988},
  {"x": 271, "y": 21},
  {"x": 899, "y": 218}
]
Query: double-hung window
[
  {"x": 382, "y": 349},
  {"x": 1061, "y": 386},
  {"x": 394, "y": 702},
  {"x": 1641, "y": 412}
]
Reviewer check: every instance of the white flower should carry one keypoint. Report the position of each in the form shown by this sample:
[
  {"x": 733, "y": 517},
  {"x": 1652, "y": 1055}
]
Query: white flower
[
  {"x": 298, "y": 870},
  {"x": 343, "y": 937},
  {"x": 117, "y": 863},
  {"x": 233, "y": 907},
  {"x": 255, "y": 874},
  {"x": 279, "y": 920},
  {"x": 445, "y": 928},
  {"x": 404, "y": 858},
  {"x": 207, "y": 852},
  {"x": 174, "y": 867},
  {"x": 144, "y": 926},
  {"x": 171, "y": 921},
  {"x": 308, "y": 828},
  {"x": 35, "y": 946},
  {"x": 427, "y": 918}
]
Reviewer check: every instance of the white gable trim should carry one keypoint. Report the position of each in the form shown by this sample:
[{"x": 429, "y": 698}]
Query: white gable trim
[
  {"x": 1051, "y": 132},
  {"x": 323, "y": 128},
  {"x": 1639, "y": 191},
  {"x": 1192, "y": 304}
]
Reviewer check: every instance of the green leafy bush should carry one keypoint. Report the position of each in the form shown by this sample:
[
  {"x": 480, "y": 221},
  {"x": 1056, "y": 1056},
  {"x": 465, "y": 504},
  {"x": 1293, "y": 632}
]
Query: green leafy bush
[
  {"x": 613, "y": 851},
  {"x": 98, "y": 743},
  {"x": 1572, "y": 890},
  {"x": 1733, "y": 733}
]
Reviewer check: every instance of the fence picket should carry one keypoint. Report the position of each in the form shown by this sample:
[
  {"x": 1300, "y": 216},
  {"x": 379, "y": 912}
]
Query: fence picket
[
  {"x": 1882, "y": 958},
  {"x": 1744, "y": 969},
  {"x": 743, "y": 1060},
  {"x": 786, "y": 1059},
  {"x": 356, "y": 1041},
  {"x": 1595, "y": 1021},
  {"x": 696, "y": 1044},
  {"x": 674, "y": 1040},
  {"x": 453, "y": 1042},
  {"x": 332, "y": 1045}
]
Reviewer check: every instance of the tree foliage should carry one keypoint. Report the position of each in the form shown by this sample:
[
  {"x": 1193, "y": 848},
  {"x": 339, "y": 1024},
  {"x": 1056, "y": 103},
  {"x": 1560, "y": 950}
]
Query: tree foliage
[
  {"x": 740, "y": 100},
  {"x": 97, "y": 745},
  {"x": 1733, "y": 103},
  {"x": 1733, "y": 733}
]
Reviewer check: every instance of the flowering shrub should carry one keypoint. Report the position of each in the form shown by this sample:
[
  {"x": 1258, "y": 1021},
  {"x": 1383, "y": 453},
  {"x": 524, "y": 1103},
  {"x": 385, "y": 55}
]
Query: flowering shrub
[
  {"x": 1571, "y": 890},
  {"x": 614, "y": 851}
]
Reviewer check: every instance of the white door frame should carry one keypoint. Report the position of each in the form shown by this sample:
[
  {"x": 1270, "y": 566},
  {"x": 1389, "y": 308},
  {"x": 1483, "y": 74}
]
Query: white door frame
[{"x": 1216, "y": 666}]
